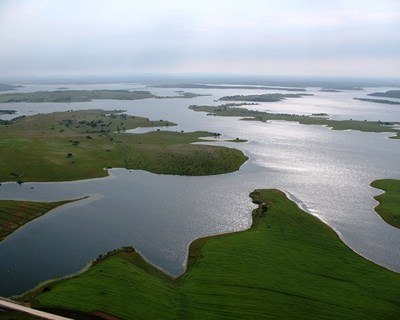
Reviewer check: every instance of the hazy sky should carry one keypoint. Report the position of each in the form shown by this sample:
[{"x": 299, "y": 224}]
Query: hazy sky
[{"x": 266, "y": 37}]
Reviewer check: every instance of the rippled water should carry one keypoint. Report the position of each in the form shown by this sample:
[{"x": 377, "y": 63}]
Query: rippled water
[{"x": 327, "y": 172}]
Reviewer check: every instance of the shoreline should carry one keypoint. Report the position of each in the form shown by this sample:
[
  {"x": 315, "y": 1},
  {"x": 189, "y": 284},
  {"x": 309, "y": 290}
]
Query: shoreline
[{"x": 210, "y": 257}]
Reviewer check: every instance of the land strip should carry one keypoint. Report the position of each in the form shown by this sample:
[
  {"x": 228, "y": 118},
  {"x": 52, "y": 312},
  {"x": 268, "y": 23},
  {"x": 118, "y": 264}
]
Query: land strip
[
  {"x": 288, "y": 265},
  {"x": 389, "y": 202},
  {"x": 384, "y": 101},
  {"x": 85, "y": 96},
  {"x": 209, "y": 86},
  {"x": 245, "y": 114},
  {"x": 387, "y": 94},
  {"x": 268, "y": 97}
]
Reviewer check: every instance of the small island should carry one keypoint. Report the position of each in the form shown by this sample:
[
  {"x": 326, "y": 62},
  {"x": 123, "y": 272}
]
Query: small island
[
  {"x": 210, "y": 86},
  {"x": 8, "y": 87},
  {"x": 384, "y": 101},
  {"x": 268, "y": 97},
  {"x": 387, "y": 94},
  {"x": 330, "y": 90},
  {"x": 7, "y": 112},
  {"x": 251, "y": 115}
]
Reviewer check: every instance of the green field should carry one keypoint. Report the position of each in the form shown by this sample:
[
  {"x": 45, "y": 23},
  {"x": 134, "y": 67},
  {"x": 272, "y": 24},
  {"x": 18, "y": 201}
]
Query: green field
[
  {"x": 267, "y": 97},
  {"x": 84, "y": 96},
  {"x": 389, "y": 206},
  {"x": 288, "y": 265},
  {"x": 365, "y": 126},
  {"x": 76, "y": 145}
]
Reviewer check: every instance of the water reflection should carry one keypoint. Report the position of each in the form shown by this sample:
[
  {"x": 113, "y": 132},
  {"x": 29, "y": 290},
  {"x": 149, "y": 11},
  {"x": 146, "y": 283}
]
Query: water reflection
[{"x": 327, "y": 171}]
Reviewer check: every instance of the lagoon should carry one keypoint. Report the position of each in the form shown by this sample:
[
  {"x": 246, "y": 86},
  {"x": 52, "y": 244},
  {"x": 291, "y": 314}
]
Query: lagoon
[{"x": 326, "y": 172}]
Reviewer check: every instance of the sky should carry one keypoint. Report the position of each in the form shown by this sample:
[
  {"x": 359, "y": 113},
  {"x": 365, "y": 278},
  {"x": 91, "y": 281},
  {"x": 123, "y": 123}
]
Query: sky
[{"x": 349, "y": 38}]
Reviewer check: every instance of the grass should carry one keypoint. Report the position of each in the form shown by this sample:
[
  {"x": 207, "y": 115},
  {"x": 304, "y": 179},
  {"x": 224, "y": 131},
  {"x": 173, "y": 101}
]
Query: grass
[
  {"x": 365, "y": 126},
  {"x": 76, "y": 145},
  {"x": 84, "y": 96},
  {"x": 267, "y": 97},
  {"x": 389, "y": 206},
  {"x": 288, "y": 265},
  {"x": 14, "y": 214}
]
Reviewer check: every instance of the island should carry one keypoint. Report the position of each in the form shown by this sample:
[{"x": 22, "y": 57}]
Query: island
[
  {"x": 222, "y": 86},
  {"x": 7, "y": 112},
  {"x": 384, "y": 101},
  {"x": 268, "y": 97},
  {"x": 73, "y": 145},
  {"x": 387, "y": 94},
  {"x": 85, "y": 96},
  {"x": 251, "y": 115},
  {"x": 8, "y": 87},
  {"x": 330, "y": 90},
  {"x": 288, "y": 265}
]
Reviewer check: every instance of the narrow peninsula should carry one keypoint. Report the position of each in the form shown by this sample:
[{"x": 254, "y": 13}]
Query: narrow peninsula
[
  {"x": 389, "y": 201},
  {"x": 251, "y": 115},
  {"x": 267, "y": 97}
]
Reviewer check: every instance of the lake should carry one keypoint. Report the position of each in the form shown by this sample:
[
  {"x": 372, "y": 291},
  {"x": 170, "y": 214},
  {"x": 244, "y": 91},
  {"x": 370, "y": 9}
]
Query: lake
[{"x": 326, "y": 172}]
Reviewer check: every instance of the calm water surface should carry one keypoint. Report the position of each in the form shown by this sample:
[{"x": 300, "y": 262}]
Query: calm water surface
[{"x": 327, "y": 172}]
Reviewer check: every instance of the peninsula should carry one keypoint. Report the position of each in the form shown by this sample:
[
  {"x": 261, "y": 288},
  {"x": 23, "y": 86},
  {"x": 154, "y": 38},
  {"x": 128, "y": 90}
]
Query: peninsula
[
  {"x": 288, "y": 265},
  {"x": 389, "y": 201},
  {"x": 268, "y": 97},
  {"x": 245, "y": 114}
]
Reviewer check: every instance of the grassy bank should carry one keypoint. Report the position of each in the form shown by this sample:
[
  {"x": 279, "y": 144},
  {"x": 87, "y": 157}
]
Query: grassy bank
[
  {"x": 288, "y": 265},
  {"x": 365, "y": 126},
  {"x": 389, "y": 206},
  {"x": 75, "y": 145},
  {"x": 14, "y": 214}
]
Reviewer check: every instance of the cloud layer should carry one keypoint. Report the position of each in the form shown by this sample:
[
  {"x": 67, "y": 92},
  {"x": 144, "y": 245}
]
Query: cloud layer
[{"x": 266, "y": 37}]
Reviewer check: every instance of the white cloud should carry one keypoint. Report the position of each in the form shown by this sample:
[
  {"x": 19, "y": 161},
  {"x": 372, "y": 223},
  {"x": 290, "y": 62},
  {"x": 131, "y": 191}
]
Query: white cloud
[{"x": 212, "y": 36}]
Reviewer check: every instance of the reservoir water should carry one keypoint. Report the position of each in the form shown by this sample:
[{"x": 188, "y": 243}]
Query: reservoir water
[{"x": 326, "y": 172}]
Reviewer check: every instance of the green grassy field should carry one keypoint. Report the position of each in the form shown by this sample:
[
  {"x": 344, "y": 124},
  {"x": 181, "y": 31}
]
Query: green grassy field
[
  {"x": 389, "y": 206},
  {"x": 85, "y": 96},
  {"x": 267, "y": 97},
  {"x": 76, "y": 145},
  {"x": 288, "y": 265},
  {"x": 365, "y": 126}
]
